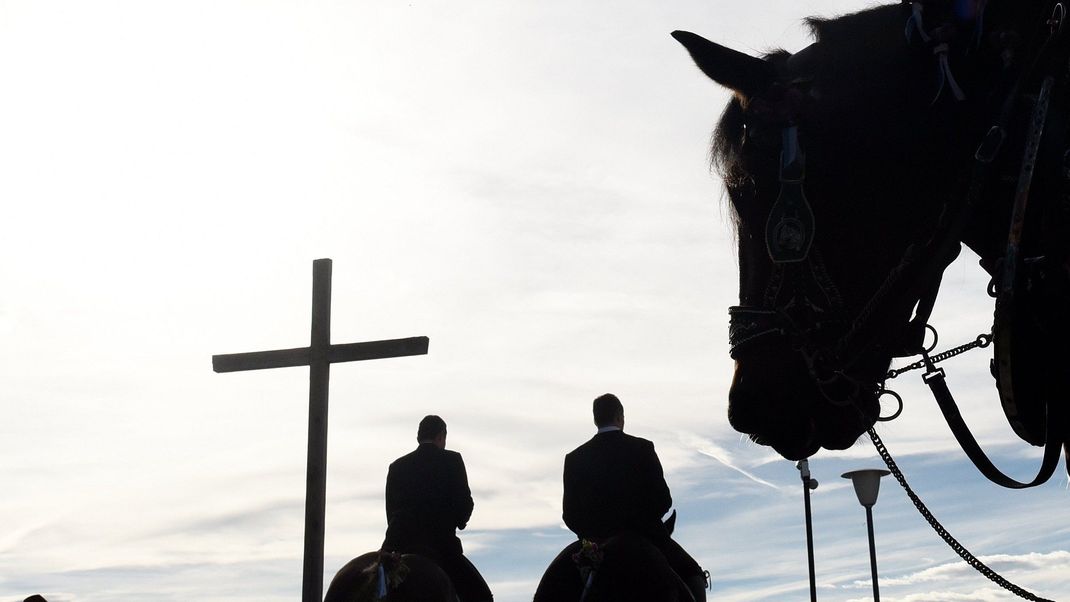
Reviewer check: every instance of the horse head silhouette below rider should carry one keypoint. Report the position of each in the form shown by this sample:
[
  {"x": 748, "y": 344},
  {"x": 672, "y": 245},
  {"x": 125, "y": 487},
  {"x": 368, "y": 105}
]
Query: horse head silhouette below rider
[
  {"x": 623, "y": 568},
  {"x": 389, "y": 577}
]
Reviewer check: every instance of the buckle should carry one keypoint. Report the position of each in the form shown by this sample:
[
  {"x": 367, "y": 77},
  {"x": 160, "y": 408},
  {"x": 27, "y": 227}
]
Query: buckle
[{"x": 935, "y": 373}]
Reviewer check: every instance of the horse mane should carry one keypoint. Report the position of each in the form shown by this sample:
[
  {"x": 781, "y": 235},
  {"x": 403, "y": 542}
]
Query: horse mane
[{"x": 844, "y": 30}]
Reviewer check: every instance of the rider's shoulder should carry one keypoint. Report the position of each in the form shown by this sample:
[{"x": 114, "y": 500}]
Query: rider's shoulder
[{"x": 638, "y": 441}]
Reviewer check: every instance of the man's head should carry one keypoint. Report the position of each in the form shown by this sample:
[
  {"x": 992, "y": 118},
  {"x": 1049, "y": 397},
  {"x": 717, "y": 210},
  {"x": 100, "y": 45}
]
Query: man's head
[
  {"x": 608, "y": 411},
  {"x": 432, "y": 430}
]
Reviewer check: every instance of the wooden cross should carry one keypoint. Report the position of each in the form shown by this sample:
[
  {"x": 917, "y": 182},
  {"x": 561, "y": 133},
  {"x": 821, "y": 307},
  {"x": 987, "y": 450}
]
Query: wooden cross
[{"x": 319, "y": 356}]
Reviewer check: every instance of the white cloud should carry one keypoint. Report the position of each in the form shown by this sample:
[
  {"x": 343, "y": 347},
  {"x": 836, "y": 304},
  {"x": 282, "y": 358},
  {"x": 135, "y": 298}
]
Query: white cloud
[
  {"x": 721, "y": 455},
  {"x": 1058, "y": 560}
]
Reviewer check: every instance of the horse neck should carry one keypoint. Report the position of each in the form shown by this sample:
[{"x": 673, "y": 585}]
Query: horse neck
[{"x": 1046, "y": 226}]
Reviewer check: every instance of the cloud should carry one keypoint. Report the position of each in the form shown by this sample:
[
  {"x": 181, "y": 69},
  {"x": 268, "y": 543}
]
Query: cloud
[
  {"x": 257, "y": 580},
  {"x": 254, "y": 518},
  {"x": 1058, "y": 560},
  {"x": 978, "y": 595},
  {"x": 1043, "y": 574},
  {"x": 724, "y": 457}
]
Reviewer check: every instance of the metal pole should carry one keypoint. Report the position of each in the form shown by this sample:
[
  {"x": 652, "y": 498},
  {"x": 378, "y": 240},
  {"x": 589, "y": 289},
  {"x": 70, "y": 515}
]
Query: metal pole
[
  {"x": 808, "y": 484},
  {"x": 316, "y": 471},
  {"x": 810, "y": 542},
  {"x": 872, "y": 554}
]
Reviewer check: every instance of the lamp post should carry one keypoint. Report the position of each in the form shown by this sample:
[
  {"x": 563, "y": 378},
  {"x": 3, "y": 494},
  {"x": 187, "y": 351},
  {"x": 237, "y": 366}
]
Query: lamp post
[
  {"x": 808, "y": 484},
  {"x": 867, "y": 484}
]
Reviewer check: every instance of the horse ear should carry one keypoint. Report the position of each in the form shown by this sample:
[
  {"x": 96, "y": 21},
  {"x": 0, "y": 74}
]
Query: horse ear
[{"x": 732, "y": 69}]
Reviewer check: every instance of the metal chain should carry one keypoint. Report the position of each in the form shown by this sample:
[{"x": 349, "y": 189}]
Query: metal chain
[
  {"x": 982, "y": 341},
  {"x": 959, "y": 549}
]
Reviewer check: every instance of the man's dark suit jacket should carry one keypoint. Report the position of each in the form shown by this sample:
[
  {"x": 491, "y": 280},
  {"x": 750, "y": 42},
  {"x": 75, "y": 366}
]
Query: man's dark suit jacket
[
  {"x": 427, "y": 497},
  {"x": 613, "y": 483}
]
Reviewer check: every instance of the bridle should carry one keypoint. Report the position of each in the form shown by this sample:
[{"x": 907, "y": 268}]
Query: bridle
[{"x": 802, "y": 308}]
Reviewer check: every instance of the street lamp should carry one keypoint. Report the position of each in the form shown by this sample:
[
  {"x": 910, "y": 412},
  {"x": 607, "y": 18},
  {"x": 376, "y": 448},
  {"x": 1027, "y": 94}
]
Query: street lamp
[
  {"x": 867, "y": 484},
  {"x": 808, "y": 484}
]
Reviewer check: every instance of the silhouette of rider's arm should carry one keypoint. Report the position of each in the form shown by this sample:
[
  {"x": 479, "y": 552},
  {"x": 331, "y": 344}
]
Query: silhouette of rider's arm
[
  {"x": 461, "y": 495},
  {"x": 653, "y": 499},
  {"x": 578, "y": 505},
  {"x": 394, "y": 496}
]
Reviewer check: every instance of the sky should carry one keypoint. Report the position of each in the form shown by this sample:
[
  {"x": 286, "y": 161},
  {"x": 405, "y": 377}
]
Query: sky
[{"x": 528, "y": 185}]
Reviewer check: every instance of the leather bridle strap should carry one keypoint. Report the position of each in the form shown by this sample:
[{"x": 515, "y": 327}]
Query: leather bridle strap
[
  {"x": 1005, "y": 302},
  {"x": 934, "y": 377}
]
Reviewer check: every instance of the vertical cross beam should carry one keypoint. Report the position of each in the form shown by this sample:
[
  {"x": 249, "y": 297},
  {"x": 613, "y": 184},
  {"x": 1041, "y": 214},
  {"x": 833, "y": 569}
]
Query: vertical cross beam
[
  {"x": 318, "y": 356},
  {"x": 316, "y": 471}
]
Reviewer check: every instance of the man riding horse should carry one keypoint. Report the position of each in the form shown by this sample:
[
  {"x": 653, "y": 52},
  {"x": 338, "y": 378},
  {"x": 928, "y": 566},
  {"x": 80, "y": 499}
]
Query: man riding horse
[
  {"x": 427, "y": 499},
  {"x": 614, "y": 483}
]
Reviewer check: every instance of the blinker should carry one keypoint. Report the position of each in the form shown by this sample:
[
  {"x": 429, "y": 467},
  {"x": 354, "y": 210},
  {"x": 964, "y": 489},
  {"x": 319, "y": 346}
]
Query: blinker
[{"x": 789, "y": 230}]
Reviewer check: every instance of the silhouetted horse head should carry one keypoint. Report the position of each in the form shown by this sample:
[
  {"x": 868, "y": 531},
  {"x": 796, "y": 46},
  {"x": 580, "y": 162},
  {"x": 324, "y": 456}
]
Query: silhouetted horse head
[
  {"x": 627, "y": 568},
  {"x": 389, "y": 577},
  {"x": 849, "y": 166}
]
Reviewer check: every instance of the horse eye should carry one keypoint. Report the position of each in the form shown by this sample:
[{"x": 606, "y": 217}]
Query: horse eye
[{"x": 761, "y": 137}]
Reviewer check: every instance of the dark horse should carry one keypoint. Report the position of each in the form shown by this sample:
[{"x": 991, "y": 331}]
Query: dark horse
[
  {"x": 630, "y": 569},
  {"x": 389, "y": 577},
  {"x": 624, "y": 568},
  {"x": 856, "y": 168}
]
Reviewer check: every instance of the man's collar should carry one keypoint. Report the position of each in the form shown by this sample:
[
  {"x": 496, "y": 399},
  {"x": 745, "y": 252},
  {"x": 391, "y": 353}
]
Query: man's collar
[{"x": 608, "y": 429}]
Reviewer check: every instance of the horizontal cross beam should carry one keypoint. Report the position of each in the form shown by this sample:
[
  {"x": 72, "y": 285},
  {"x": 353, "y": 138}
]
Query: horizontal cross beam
[{"x": 302, "y": 356}]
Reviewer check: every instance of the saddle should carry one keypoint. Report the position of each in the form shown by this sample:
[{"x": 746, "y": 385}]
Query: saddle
[
  {"x": 623, "y": 568},
  {"x": 385, "y": 575}
]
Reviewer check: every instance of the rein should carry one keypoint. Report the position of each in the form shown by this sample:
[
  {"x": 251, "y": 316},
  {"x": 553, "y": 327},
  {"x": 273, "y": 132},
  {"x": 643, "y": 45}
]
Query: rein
[
  {"x": 935, "y": 377},
  {"x": 948, "y": 538}
]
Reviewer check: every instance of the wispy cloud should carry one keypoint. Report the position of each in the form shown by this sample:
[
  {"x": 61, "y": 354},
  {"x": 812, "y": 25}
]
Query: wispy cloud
[
  {"x": 1058, "y": 560},
  {"x": 718, "y": 453}
]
